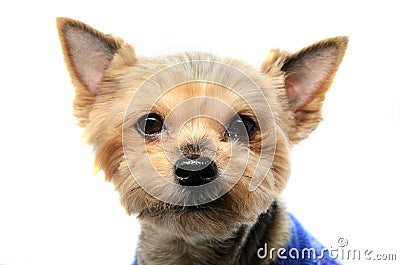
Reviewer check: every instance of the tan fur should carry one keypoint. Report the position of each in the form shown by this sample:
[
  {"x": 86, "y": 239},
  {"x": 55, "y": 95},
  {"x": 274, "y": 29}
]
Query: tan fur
[{"x": 105, "y": 82}]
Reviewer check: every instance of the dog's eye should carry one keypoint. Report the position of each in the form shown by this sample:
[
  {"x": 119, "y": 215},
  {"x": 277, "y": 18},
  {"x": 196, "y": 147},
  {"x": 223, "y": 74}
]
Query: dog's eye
[
  {"x": 241, "y": 127},
  {"x": 150, "y": 124}
]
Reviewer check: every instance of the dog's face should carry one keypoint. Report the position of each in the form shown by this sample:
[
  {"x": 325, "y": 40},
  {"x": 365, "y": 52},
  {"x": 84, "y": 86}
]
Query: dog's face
[{"x": 196, "y": 145}]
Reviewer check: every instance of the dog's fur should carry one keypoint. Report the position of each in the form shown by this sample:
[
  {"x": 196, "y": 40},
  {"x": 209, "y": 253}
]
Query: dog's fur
[{"x": 106, "y": 73}]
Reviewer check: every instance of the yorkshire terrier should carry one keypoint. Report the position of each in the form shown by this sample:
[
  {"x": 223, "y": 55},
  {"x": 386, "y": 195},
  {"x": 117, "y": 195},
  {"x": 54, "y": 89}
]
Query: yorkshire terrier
[{"x": 198, "y": 145}]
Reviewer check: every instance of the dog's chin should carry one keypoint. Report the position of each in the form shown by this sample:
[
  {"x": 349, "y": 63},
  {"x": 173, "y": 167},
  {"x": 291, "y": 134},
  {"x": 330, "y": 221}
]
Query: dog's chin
[{"x": 214, "y": 220}]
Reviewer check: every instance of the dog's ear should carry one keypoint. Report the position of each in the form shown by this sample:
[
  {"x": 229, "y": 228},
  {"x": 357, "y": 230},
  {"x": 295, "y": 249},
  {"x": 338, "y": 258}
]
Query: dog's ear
[
  {"x": 307, "y": 76},
  {"x": 88, "y": 53}
]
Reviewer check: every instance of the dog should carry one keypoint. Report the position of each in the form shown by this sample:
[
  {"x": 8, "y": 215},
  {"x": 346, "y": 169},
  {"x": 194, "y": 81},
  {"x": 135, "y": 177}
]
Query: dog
[{"x": 198, "y": 145}]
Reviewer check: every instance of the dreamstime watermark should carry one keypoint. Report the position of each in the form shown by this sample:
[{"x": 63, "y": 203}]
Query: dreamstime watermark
[{"x": 341, "y": 251}]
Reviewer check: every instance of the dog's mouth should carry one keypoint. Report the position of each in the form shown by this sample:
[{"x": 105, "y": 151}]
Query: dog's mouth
[
  {"x": 163, "y": 209},
  {"x": 203, "y": 207}
]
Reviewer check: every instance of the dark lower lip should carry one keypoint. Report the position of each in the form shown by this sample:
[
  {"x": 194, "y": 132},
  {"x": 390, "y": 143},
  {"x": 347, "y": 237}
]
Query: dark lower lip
[{"x": 162, "y": 209}]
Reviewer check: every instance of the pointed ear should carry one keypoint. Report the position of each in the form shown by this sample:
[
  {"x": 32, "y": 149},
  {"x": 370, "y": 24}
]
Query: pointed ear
[
  {"x": 308, "y": 75},
  {"x": 87, "y": 51},
  {"x": 88, "y": 54}
]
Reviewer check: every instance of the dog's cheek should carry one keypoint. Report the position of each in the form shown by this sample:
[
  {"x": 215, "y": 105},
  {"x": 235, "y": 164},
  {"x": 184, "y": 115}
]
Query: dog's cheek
[
  {"x": 150, "y": 167},
  {"x": 234, "y": 159},
  {"x": 243, "y": 203},
  {"x": 159, "y": 161},
  {"x": 281, "y": 163},
  {"x": 250, "y": 204},
  {"x": 132, "y": 196},
  {"x": 274, "y": 176}
]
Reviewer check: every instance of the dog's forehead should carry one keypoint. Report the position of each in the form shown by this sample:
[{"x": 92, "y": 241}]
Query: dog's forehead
[
  {"x": 202, "y": 95},
  {"x": 195, "y": 101},
  {"x": 195, "y": 84}
]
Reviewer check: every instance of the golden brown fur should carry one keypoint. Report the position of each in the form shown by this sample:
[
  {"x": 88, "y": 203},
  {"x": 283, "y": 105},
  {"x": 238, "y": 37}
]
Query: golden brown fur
[{"x": 106, "y": 73}]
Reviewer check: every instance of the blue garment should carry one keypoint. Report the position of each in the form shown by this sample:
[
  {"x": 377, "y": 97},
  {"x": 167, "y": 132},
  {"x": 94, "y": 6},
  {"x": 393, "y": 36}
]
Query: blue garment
[{"x": 300, "y": 249}]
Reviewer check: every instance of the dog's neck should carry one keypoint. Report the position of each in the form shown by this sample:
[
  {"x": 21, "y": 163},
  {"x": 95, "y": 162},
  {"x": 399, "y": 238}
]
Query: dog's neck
[{"x": 272, "y": 229}]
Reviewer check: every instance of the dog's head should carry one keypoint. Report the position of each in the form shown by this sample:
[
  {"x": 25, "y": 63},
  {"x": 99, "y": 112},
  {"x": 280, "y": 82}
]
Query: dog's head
[{"x": 195, "y": 144}]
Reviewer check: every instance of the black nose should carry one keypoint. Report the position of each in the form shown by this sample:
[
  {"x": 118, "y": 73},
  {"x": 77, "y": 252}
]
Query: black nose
[{"x": 195, "y": 172}]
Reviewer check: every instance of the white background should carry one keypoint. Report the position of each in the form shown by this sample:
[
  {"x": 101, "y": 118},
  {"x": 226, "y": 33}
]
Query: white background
[{"x": 344, "y": 182}]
